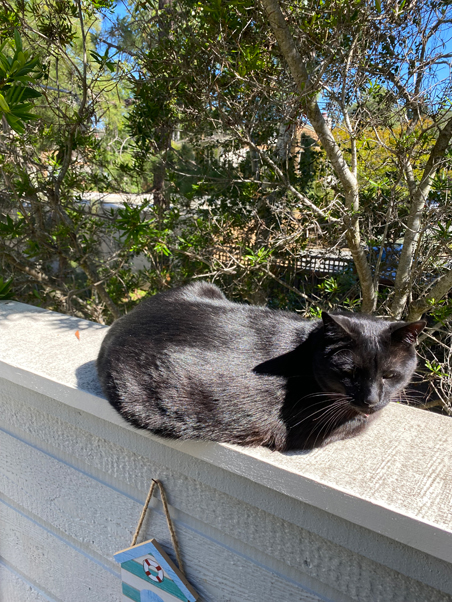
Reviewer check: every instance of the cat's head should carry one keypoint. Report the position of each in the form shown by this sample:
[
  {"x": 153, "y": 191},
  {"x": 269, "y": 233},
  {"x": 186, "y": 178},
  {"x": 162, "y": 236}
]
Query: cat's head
[{"x": 365, "y": 359}]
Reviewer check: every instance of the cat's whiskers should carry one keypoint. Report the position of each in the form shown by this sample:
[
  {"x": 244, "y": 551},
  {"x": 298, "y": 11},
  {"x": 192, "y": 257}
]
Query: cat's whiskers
[
  {"x": 307, "y": 408},
  {"x": 337, "y": 408},
  {"x": 412, "y": 396},
  {"x": 338, "y": 417},
  {"x": 330, "y": 409},
  {"x": 323, "y": 395},
  {"x": 324, "y": 424},
  {"x": 414, "y": 392},
  {"x": 342, "y": 402},
  {"x": 324, "y": 409},
  {"x": 331, "y": 422},
  {"x": 318, "y": 394},
  {"x": 411, "y": 401}
]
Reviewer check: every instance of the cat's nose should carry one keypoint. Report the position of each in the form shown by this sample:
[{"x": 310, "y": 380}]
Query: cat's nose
[
  {"x": 372, "y": 398},
  {"x": 370, "y": 403}
]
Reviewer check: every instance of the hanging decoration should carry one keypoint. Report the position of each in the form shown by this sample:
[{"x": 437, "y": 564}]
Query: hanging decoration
[{"x": 147, "y": 572}]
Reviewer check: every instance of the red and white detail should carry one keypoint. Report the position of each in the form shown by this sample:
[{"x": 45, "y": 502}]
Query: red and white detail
[{"x": 147, "y": 564}]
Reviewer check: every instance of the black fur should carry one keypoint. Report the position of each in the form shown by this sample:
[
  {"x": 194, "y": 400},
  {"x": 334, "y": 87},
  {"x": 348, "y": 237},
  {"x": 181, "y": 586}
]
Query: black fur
[{"x": 190, "y": 364}]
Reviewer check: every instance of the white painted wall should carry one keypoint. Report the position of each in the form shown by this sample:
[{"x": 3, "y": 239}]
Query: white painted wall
[{"x": 365, "y": 520}]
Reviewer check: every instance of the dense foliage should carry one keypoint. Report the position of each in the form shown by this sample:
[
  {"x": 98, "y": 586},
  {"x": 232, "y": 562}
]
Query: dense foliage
[{"x": 254, "y": 142}]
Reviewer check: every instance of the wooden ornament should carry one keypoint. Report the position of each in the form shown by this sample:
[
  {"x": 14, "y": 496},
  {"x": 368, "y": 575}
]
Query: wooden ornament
[
  {"x": 147, "y": 572},
  {"x": 149, "y": 575}
]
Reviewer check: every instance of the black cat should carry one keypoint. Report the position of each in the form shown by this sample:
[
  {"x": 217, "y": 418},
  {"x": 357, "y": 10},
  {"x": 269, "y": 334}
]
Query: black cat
[{"x": 190, "y": 364}]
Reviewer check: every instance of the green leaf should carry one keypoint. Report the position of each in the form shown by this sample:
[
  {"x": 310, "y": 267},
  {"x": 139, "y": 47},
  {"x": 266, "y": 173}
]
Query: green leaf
[
  {"x": 21, "y": 58},
  {"x": 5, "y": 62},
  {"x": 5, "y": 289},
  {"x": 378, "y": 6},
  {"x": 4, "y": 105},
  {"x": 15, "y": 123},
  {"x": 25, "y": 69},
  {"x": 17, "y": 40},
  {"x": 25, "y": 79},
  {"x": 25, "y": 115},
  {"x": 95, "y": 56},
  {"x": 27, "y": 93}
]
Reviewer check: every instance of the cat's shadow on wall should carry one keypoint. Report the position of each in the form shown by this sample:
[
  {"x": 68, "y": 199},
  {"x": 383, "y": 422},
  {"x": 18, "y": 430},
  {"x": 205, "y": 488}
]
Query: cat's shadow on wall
[{"x": 87, "y": 379}]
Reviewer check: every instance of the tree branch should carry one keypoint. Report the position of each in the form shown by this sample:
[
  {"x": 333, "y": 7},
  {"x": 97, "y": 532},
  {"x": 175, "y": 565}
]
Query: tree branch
[
  {"x": 437, "y": 292},
  {"x": 413, "y": 226},
  {"x": 301, "y": 197}
]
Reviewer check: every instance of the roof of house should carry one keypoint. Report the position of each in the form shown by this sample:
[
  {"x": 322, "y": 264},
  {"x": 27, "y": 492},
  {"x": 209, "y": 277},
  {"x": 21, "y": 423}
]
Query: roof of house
[{"x": 151, "y": 547}]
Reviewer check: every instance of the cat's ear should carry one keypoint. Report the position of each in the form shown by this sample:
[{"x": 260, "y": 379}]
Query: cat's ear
[
  {"x": 407, "y": 333},
  {"x": 336, "y": 326}
]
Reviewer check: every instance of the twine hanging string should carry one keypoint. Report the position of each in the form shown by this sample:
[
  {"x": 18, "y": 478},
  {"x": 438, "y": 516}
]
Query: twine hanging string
[{"x": 168, "y": 520}]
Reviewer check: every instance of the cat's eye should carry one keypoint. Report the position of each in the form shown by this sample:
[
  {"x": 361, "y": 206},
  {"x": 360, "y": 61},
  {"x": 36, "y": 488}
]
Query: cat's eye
[
  {"x": 389, "y": 375},
  {"x": 348, "y": 371}
]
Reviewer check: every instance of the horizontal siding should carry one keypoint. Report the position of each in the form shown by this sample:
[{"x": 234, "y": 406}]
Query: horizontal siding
[
  {"x": 54, "y": 565},
  {"x": 83, "y": 493},
  {"x": 15, "y": 588}
]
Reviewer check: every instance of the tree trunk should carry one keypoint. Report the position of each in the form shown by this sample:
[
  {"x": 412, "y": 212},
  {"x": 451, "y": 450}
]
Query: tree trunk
[
  {"x": 346, "y": 177},
  {"x": 164, "y": 133},
  {"x": 159, "y": 170}
]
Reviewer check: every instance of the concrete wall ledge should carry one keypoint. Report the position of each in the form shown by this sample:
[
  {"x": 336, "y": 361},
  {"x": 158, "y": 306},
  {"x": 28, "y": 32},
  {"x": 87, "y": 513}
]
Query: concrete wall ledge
[{"x": 364, "y": 519}]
